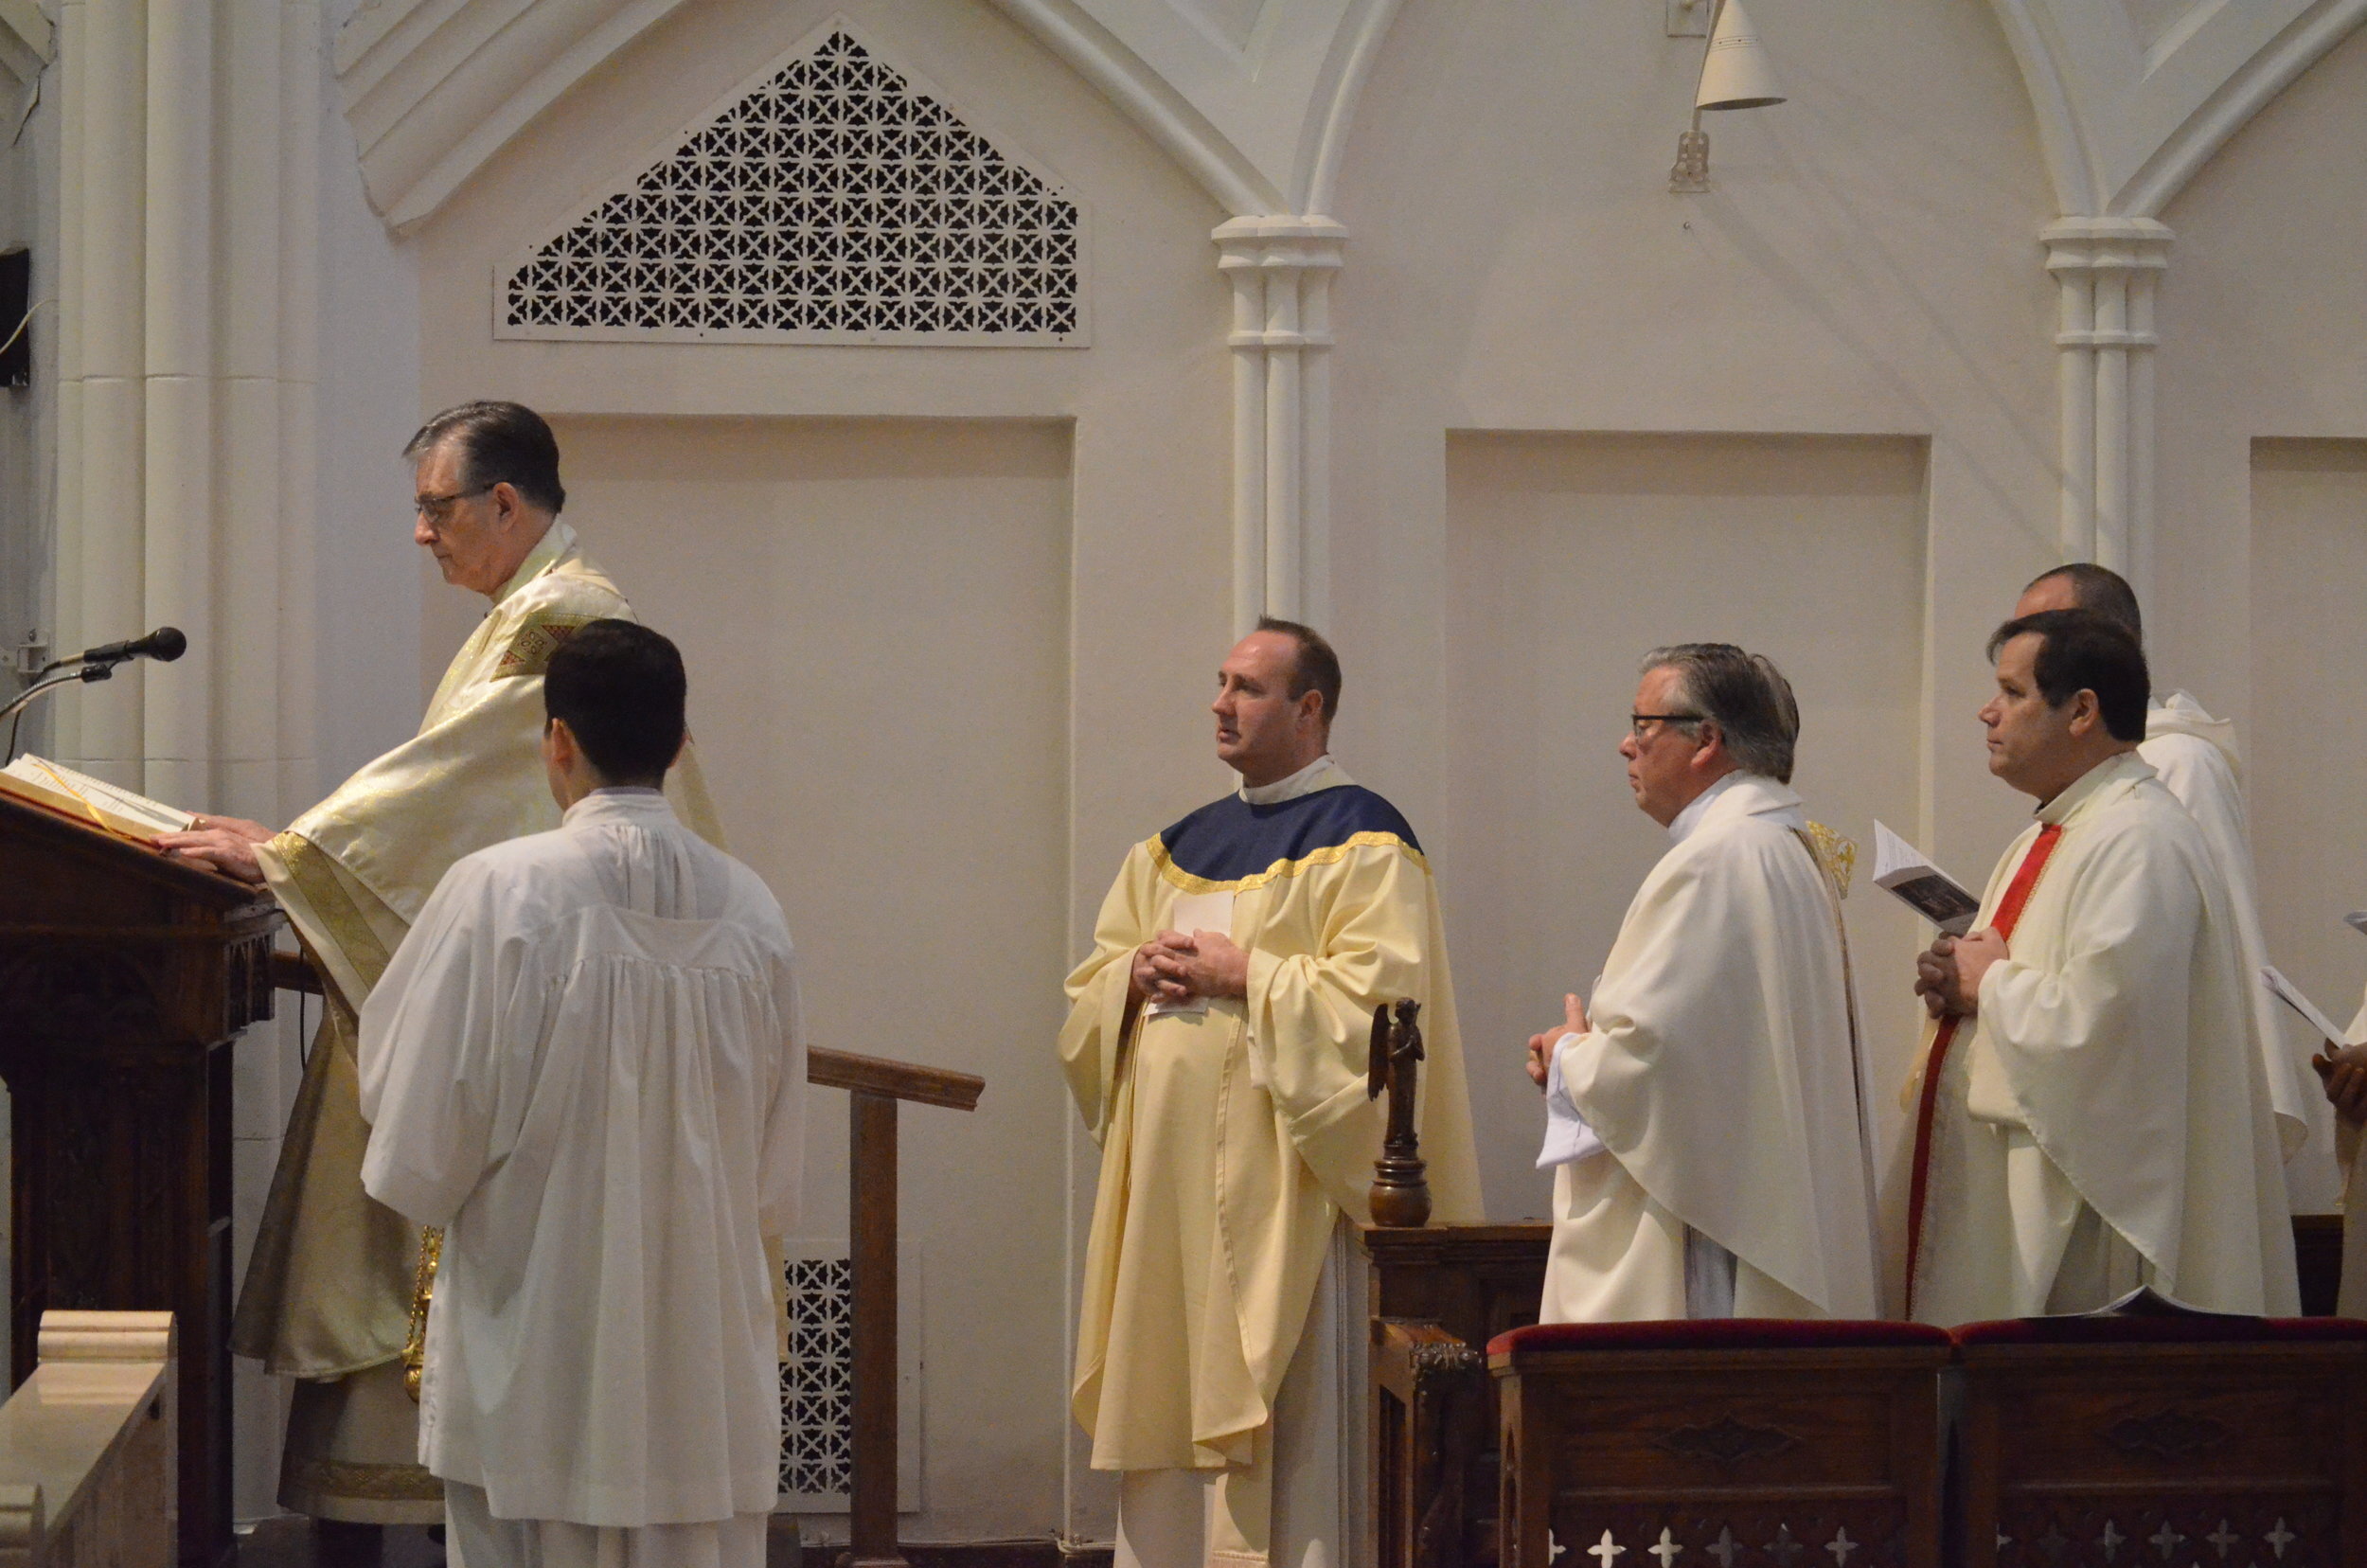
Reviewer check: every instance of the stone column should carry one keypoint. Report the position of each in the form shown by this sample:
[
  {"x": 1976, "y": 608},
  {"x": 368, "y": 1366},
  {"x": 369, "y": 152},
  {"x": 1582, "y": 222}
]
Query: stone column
[
  {"x": 2104, "y": 272},
  {"x": 185, "y": 291},
  {"x": 1281, "y": 271}
]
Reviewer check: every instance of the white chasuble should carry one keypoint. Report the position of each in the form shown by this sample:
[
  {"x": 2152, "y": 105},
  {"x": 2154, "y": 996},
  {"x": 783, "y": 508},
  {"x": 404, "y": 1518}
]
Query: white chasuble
[
  {"x": 328, "y": 1287},
  {"x": 1233, "y": 1138},
  {"x": 584, "y": 1064},
  {"x": 2196, "y": 757},
  {"x": 1720, "y": 1077},
  {"x": 2106, "y": 1121}
]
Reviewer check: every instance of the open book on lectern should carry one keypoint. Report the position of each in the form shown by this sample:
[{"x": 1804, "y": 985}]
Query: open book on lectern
[
  {"x": 95, "y": 801},
  {"x": 1904, "y": 870}
]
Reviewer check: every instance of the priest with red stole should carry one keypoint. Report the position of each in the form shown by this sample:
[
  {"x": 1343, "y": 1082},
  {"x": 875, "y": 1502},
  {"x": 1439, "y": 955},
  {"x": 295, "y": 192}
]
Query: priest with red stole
[{"x": 2093, "y": 1113}]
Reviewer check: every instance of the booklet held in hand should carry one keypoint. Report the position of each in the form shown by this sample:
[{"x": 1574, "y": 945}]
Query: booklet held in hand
[{"x": 1930, "y": 892}]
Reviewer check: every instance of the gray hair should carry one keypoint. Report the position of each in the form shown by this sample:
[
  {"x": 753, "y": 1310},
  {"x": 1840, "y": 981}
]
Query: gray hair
[{"x": 1743, "y": 694}]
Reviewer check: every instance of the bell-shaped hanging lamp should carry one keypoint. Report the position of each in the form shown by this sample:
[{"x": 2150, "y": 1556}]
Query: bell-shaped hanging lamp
[{"x": 1736, "y": 74}]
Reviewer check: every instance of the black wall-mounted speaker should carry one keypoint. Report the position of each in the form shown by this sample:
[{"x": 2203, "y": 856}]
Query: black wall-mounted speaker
[{"x": 16, "y": 293}]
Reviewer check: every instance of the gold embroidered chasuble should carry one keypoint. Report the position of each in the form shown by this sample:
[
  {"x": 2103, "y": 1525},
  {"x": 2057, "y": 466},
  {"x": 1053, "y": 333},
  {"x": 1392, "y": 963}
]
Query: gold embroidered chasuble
[
  {"x": 328, "y": 1289},
  {"x": 1232, "y": 1139}
]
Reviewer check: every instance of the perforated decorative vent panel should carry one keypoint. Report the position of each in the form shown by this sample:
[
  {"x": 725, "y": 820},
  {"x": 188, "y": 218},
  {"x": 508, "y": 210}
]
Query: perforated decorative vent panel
[
  {"x": 817, "y": 1384},
  {"x": 831, "y": 202},
  {"x": 816, "y": 1417}
]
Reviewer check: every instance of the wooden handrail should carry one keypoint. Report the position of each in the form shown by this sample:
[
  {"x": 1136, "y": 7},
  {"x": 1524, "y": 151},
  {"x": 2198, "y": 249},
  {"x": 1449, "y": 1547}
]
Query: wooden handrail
[
  {"x": 824, "y": 1068},
  {"x": 903, "y": 1080}
]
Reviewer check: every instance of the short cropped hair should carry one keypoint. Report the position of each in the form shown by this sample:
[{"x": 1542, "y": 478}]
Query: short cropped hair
[
  {"x": 500, "y": 442},
  {"x": 2080, "y": 651},
  {"x": 1316, "y": 668},
  {"x": 1745, "y": 694},
  {"x": 2100, "y": 590},
  {"x": 620, "y": 689}
]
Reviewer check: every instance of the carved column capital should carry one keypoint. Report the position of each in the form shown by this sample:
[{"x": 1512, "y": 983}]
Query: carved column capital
[{"x": 2105, "y": 252}]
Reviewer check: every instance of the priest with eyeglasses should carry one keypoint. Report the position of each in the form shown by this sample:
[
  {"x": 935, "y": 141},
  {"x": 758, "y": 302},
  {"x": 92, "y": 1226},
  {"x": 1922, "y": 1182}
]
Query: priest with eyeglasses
[
  {"x": 335, "y": 1277},
  {"x": 1704, "y": 1122}
]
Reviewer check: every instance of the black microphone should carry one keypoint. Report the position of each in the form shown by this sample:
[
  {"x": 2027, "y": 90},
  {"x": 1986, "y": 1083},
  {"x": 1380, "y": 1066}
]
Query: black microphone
[{"x": 164, "y": 645}]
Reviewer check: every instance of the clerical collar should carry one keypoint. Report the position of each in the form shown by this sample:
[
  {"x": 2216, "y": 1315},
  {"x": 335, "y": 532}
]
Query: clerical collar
[
  {"x": 623, "y": 801},
  {"x": 557, "y": 541},
  {"x": 1690, "y": 818},
  {"x": 2120, "y": 765},
  {"x": 1303, "y": 782}
]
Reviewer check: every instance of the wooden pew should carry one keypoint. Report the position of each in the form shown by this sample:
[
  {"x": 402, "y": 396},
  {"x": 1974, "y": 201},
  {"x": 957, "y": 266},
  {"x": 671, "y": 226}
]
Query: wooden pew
[
  {"x": 1439, "y": 1293},
  {"x": 88, "y": 1448},
  {"x": 2161, "y": 1440},
  {"x": 1736, "y": 1440}
]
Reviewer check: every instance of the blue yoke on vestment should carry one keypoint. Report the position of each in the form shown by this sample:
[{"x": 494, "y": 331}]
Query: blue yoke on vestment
[{"x": 1230, "y": 844}]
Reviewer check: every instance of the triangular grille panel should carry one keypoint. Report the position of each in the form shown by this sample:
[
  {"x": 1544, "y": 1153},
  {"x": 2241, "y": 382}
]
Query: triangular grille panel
[{"x": 831, "y": 203}]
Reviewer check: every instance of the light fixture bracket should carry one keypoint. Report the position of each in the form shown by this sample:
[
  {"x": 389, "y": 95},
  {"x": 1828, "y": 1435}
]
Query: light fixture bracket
[{"x": 1691, "y": 177}]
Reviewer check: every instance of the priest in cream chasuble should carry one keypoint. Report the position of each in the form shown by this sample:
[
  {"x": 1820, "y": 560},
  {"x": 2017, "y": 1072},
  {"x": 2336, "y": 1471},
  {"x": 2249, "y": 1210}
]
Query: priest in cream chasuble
[
  {"x": 330, "y": 1287},
  {"x": 1705, "y": 1123},
  {"x": 1217, "y": 1048},
  {"x": 2093, "y": 1113},
  {"x": 2197, "y": 761}
]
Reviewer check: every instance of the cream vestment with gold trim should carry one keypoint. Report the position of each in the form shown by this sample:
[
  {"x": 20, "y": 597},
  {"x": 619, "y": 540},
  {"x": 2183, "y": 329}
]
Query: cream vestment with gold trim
[
  {"x": 329, "y": 1288},
  {"x": 1720, "y": 1075},
  {"x": 1233, "y": 1138}
]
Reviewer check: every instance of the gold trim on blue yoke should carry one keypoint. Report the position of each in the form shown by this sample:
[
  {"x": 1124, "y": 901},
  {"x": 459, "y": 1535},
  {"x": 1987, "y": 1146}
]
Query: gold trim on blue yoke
[{"x": 1331, "y": 855}]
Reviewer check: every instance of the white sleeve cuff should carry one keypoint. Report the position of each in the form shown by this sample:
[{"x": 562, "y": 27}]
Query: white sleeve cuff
[{"x": 1567, "y": 1135}]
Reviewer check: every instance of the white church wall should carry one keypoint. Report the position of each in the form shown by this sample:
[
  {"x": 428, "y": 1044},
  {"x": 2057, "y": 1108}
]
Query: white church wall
[
  {"x": 2263, "y": 319},
  {"x": 2308, "y": 578},
  {"x": 1568, "y": 557},
  {"x": 1867, "y": 264},
  {"x": 877, "y": 615},
  {"x": 1132, "y": 609}
]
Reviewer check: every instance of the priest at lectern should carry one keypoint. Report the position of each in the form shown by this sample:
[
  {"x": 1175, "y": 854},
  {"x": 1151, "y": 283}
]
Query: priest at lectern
[
  {"x": 2093, "y": 1113},
  {"x": 1218, "y": 1045},
  {"x": 330, "y": 1289},
  {"x": 1704, "y": 1125}
]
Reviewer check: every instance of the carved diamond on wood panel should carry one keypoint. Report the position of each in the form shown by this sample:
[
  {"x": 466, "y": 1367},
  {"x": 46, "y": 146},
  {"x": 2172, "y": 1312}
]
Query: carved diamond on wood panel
[
  {"x": 832, "y": 202},
  {"x": 1726, "y": 1444},
  {"x": 2172, "y": 1434}
]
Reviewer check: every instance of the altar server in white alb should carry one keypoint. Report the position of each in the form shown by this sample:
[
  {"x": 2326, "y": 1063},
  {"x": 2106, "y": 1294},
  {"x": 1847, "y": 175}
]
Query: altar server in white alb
[
  {"x": 2093, "y": 1113},
  {"x": 583, "y": 1063},
  {"x": 2196, "y": 757},
  {"x": 1704, "y": 1122}
]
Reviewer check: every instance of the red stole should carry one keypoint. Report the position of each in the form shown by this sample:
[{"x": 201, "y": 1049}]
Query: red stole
[{"x": 2009, "y": 913}]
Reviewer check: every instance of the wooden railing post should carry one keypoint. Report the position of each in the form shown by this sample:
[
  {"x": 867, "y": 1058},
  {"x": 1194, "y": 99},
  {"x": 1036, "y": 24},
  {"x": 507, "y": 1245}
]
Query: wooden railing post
[
  {"x": 873, "y": 1086},
  {"x": 871, "y": 1255}
]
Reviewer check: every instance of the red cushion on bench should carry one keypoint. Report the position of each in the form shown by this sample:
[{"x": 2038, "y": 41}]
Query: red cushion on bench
[
  {"x": 2162, "y": 1331},
  {"x": 1718, "y": 1334}
]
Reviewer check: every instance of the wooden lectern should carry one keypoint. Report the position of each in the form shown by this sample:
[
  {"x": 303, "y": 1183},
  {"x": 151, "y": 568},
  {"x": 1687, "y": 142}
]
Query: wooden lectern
[{"x": 123, "y": 977}]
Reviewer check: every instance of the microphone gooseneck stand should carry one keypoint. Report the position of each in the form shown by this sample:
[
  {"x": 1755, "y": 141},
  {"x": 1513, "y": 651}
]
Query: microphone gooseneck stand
[
  {"x": 164, "y": 645},
  {"x": 14, "y": 712}
]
